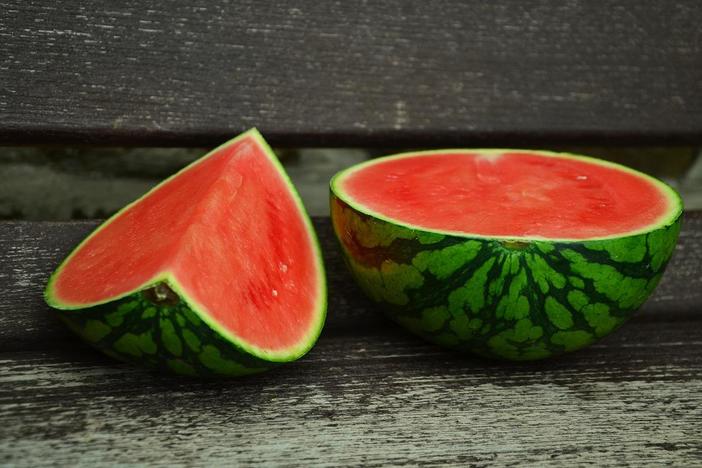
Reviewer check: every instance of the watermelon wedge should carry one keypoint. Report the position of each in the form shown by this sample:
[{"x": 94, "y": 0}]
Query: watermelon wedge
[
  {"x": 509, "y": 254},
  {"x": 216, "y": 271}
]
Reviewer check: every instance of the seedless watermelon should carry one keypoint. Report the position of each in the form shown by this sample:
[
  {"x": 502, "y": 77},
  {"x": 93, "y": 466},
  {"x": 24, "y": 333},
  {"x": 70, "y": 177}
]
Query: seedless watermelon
[
  {"x": 506, "y": 253},
  {"x": 216, "y": 270}
]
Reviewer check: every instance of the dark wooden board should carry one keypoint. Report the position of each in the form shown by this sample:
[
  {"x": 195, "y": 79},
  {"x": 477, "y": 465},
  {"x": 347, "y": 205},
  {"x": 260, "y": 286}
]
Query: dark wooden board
[
  {"x": 30, "y": 251},
  {"x": 368, "y": 393},
  {"x": 394, "y": 73}
]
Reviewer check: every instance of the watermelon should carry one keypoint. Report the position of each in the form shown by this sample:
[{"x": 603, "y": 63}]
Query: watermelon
[
  {"x": 215, "y": 271},
  {"x": 509, "y": 254}
]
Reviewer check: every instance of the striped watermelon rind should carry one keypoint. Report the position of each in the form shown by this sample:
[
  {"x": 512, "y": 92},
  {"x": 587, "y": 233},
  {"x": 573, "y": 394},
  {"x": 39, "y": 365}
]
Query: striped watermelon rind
[
  {"x": 177, "y": 334},
  {"x": 500, "y": 297},
  {"x": 168, "y": 337}
]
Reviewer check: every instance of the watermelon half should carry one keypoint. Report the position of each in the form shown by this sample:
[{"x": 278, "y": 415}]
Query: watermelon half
[
  {"x": 505, "y": 253},
  {"x": 215, "y": 271}
]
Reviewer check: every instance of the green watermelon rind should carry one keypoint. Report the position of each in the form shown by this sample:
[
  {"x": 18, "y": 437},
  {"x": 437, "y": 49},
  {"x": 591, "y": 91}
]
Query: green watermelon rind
[
  {"x": 672, "y": 195},
  {"x": 237, "y": 349},
  {"x": 511, "y": 298}
]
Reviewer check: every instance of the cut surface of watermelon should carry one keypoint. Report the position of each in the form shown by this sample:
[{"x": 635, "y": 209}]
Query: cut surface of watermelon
[
  {"x": 509, "y": 193},
  {"x": 229, "y": 235}
]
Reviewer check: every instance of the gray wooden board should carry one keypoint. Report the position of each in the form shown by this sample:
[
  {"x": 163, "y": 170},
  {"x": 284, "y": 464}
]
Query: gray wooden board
[
  {"x": 368, "y": 393},
  {"x": 393, "y": 73}
]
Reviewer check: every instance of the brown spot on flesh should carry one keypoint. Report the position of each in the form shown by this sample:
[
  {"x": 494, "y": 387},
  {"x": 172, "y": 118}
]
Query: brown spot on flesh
[
  {"x": 161, "y": 295},
  {"x": 515, "y": 244}
]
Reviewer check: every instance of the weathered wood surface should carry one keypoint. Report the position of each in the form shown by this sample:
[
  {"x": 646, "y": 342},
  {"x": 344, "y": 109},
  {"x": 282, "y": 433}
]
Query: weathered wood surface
[
  {"x": 368, "y": 393},
  {"x": 393, "y": 73}
]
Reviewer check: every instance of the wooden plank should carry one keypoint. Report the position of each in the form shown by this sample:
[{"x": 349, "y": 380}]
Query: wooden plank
[
  {"x": 368, "y": 393},
  {"x": 367, "y": 400},
  {"x": 30, "y": 251},
  {"x": 398, "y": 73}
]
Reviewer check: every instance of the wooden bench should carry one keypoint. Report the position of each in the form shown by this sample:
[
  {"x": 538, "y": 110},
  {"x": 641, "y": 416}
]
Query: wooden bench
[{"x": 392, "y": 74}]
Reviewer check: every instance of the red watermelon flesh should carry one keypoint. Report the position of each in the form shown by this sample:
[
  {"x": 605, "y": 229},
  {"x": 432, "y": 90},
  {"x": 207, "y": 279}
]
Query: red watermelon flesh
[
  {"x": 508, "y": 193},
  {"x": 229, "y": 235}
]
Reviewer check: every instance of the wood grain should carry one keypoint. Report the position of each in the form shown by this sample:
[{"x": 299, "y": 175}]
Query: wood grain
[
  {"x": 368, "y": 393},
  {"x": 30, "y": 251},
  {"x": 356, "y": 400},
  {"x": 396, "y": 73}
]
